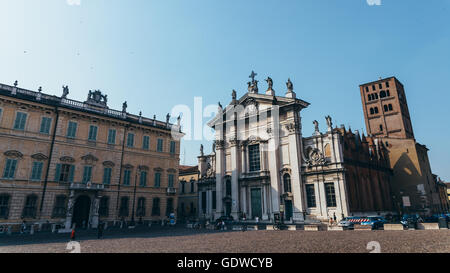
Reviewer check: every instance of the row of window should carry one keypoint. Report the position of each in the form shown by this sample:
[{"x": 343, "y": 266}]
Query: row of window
[
  {"x": 183, "y": 186},
  {"x": 130, "y": 142},
  {"x": 59, "y": 208},
  {"x": 11, "y": 167},
  {"x": 141, "y": 207},
  {"x": 374, "y": 96},
  {"x": 387, "y": 108},
  {"x": 21, "y": 117},
  {"x": 65, "y": 173},
  {"x": 329, "y": 193},
  {"x": 380, "y": 86}
]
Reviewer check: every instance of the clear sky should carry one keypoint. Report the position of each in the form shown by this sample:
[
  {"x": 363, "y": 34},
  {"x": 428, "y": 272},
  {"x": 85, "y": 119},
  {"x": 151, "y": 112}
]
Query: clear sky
[{"x": 161, "y": 53}]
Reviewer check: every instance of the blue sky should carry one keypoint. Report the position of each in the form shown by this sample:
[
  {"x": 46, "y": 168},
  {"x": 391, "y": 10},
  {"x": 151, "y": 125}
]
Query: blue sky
[{"x": 158, "y": 54}]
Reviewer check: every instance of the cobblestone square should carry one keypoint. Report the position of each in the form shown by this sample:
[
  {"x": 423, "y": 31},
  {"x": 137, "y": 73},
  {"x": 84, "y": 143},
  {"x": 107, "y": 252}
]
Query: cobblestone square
[{"x": 182, "y": 240}]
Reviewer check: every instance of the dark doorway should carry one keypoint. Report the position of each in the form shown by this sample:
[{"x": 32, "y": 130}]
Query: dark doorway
[
  {"x": 81, "y": 211},
  {"x": 288, "y": 209},
  {"x": 255, "y": 195},
  {"x": 228, "y": 208}
]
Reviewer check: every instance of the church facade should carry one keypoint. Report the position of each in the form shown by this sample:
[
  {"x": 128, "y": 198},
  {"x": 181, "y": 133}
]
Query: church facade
[
  {"x": 261, "y": 164},
  {"x": 69, "y": 162}
]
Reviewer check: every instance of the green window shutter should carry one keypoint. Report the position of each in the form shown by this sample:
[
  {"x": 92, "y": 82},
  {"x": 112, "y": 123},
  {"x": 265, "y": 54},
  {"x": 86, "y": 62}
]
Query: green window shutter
[
  {"x": 107, "y": 176},
  {"x": 58, "y": 172},
  {"x": 6, "y": 170},
  {"x": 13, "y": 168},
  {"x": 22, "y": 121},
  {"x": 71, "y": 173},
  {"x": 39, "y": 171}
]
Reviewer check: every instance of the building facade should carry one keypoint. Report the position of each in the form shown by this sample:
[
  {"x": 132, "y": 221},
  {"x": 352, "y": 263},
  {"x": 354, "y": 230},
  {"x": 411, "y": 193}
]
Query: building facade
[
  {"x": 188, "y": 193},
  {"x": 69, "y": 162},
  {"x": 261, "y": 165},
  {"x": 387, "y": 118}
]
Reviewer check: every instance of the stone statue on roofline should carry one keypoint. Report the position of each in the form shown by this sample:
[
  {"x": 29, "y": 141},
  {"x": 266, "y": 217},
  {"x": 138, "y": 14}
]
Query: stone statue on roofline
[{"x": 65, "y": 91}]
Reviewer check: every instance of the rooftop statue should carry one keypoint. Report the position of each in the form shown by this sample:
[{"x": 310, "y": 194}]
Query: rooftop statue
[
  {"x": 289, "y": 85},
  {"x": 65, "y": 91},
  {"x": 269, "y": 83}
]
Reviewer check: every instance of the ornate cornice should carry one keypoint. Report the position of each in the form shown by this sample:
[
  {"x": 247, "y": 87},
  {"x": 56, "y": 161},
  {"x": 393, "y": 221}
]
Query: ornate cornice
[
  {"x": 220, "y": 144},
  {"x": 128, "y": 166},
  {"x": 89, "y": 158},
  {"x": 67, "y": 159},
  {"x": 13, "y": 153},
  {"x": 109, "y": 164},
  {"x": 39, "y": 157}
]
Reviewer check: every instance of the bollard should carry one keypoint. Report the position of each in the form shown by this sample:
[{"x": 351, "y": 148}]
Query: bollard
[
  {"x": 53, "y": 228},
  {"x": 32, "y": 230},
  {"x": 9, "y": 232}
]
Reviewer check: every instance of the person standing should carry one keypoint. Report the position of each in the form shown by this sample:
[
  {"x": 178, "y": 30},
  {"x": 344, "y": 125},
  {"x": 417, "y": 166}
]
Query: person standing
[
  {"x": 24, "y": 227},
  {"x": 72, "y": 234}
]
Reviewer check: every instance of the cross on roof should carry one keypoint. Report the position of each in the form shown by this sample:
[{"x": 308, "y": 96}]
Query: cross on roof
[{"x": 253, "y": 75}]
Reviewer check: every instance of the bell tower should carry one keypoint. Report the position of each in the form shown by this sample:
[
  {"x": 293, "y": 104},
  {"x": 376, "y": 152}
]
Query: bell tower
[{"x": 385, "y": 109}]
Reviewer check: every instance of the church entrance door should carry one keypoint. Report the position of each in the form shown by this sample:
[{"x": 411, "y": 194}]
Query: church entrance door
[
  {"x": 256, "y": 203},
  {"x": 228, "y": 208},
  {"x": 81, "y": 211},
  {"x": 288, "y": 209}
]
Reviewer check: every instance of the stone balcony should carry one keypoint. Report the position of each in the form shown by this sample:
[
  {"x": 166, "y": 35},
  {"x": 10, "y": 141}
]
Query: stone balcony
[
  {"x": 171, "y": 191},
  {"x": 254, "y": 175},
  {"x": 87, "y": 186}
]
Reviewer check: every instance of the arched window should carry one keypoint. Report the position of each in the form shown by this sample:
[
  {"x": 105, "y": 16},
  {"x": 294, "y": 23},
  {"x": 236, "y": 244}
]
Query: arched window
[
  {"x": 169, "y": 207},
  {"x": 382, "y": 94},
  {"x": 4, "y": 206},
  {"x": 372, "y": 111},
  {"x": 390, "y": 107},
  {"x": 29, "y": 210},
  {"x": 156, "y": 211},
  {"x": 287, "y": 183},
  {"x": 376, "y": 96},
  {"x": 387, "y": 93},
  {"x": 59, "y": 209},
  {"x": 376, "y": 110},
  {"x": 104, "y": 207},
  {"x": 228, "y": 187},
  {"x": 123, "y": 211},
  {"x": 386, "y": 109},
  {"x": 140, "y": 212}
]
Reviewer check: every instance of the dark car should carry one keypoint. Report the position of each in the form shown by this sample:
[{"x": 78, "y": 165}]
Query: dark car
[
  {"x": 375, "y": 221},
  {"x": 410, "y": 220}
]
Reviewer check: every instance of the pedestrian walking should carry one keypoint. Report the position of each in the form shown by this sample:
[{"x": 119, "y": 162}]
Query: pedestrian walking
[
  {"x": 24, "y": 227},
  {"x": 334, "y": 217},
  {"x": 72, "y": 235}
]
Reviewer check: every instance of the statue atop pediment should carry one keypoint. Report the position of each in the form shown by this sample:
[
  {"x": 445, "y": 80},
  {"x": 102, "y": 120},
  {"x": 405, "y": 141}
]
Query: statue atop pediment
[{"x": 97, "y": 98}]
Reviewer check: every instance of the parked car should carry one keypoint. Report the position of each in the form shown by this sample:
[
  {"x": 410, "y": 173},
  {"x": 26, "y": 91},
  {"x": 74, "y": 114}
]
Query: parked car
[
  {"x": 375, "y": 221},
  {"x": 348, "y": 222},
  {"x": 410, "y": 220}
]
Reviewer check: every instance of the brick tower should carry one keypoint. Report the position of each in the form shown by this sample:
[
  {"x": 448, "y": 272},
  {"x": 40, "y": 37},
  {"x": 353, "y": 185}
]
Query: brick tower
[{"x": 385, "y": 109}]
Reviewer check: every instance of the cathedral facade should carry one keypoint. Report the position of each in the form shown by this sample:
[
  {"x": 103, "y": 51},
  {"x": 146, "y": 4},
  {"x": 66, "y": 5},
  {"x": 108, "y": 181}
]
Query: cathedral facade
[{"x": 261, "y": 165}]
